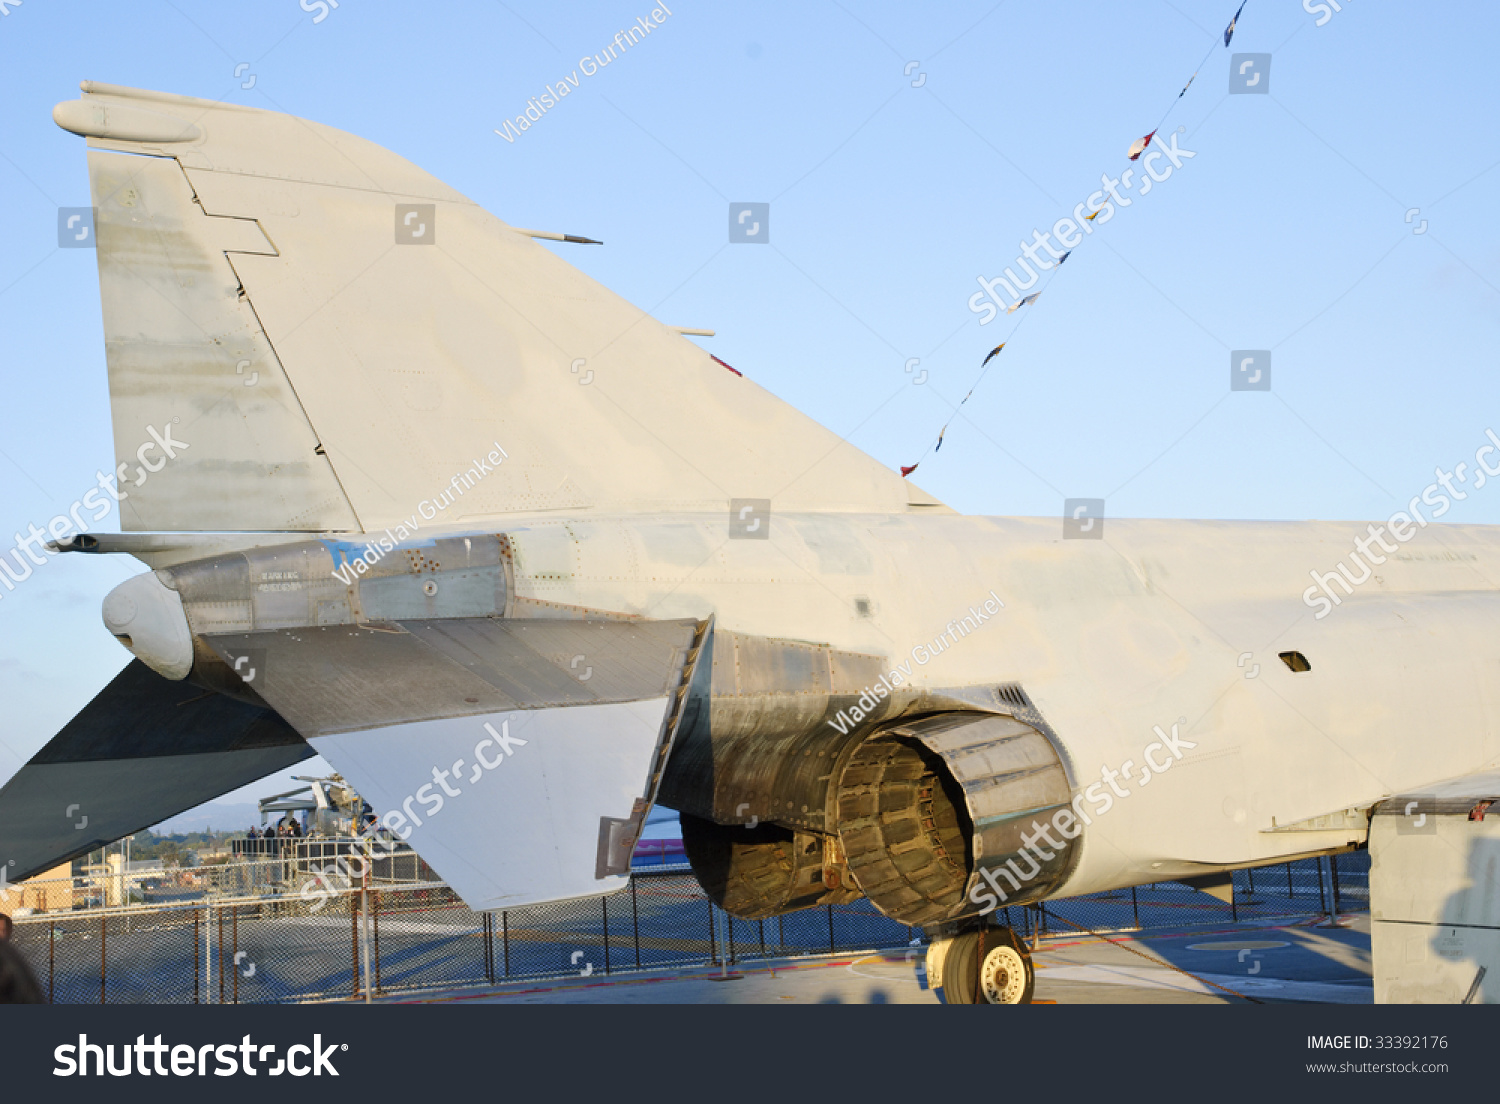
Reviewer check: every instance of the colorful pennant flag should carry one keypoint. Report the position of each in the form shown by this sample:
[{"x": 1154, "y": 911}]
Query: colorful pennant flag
[
  {"x": 1065, "y": 256},
  {"x": 1138, "y": 147},
  {"x": 1032, "y": 298},
  {"x": 993, "y": 351},
  {"x": 907, "y": 469},
  {"x": 939, "y": 445},
  {"x": 1229, "y": 30},
  {"x": 1091, "y": 218}
]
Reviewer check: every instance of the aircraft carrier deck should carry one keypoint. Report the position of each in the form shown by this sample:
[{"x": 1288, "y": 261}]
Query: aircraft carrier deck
[{"x": 1303, "y": 962}]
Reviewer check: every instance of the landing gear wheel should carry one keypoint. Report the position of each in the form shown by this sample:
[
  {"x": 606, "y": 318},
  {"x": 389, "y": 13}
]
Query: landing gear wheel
[
  {"x": 961, "y": 970},
  {"x": 1004, "y": 976}
]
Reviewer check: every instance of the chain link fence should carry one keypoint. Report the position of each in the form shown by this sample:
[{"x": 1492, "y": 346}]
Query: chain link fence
[
  {"x": 247, "y": 934},
  {"x": 260, "y": 868},
  {"x": 1337, "y": 883}
]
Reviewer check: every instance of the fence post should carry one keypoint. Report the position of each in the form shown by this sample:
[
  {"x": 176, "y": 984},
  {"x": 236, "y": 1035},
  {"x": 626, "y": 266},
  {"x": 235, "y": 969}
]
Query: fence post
[
  {"x": 505, "y": 926},
  {"x": 375, "y": 900},
  {"x": 1322, "y": 899},
  {"x": 1333, "y": 881},
  {"x": 713, "y": 943},
  {"x": 604, "y": 909},
  {"x": 353, "y": 948},
  {"x": 635, "y": 922},
  {"x": 726, "y": 949},
  {"x": 364, "y": 910},
  {"x": 103, "y": 940},
  {"x": 52, "y": 963},
  {"x": 831, "y": 945},
  {"x": 234, "y": 923},
  {"x": 488, "y": 920},
  {"x": 196, "y": 949},
  {"x": 1135, "y": 908},
  {"x": 221, "y": 956},
  {"x": 1290, "y": 892}
]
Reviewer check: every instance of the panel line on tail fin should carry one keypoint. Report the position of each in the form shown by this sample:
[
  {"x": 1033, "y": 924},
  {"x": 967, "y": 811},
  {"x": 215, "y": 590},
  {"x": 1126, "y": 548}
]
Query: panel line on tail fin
[{"x": 183, "y": 346}]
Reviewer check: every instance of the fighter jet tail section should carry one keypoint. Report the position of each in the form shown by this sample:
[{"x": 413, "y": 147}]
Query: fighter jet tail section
[{"x": 335, "y": 336}]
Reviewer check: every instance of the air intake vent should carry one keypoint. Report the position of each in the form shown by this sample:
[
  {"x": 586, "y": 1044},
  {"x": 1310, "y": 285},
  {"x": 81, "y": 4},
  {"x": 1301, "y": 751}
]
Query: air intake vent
[
  {"x": 1295, "y": 661},
  {"x": 1012, "y": 693}
]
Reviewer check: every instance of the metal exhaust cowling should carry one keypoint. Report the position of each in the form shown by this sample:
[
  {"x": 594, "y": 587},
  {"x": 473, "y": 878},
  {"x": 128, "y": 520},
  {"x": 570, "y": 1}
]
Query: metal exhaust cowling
[{"x": 937, "y": 812}]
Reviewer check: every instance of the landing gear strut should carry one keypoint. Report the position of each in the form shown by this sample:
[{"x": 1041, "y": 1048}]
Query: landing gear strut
[{"x": 991, "y": 966}]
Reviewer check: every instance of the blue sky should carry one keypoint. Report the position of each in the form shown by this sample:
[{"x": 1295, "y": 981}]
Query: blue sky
[{"x": 1287, "y": 231}]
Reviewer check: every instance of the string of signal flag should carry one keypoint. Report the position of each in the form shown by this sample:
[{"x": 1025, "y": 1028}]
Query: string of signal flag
[{"x": 1137, "y": 148}]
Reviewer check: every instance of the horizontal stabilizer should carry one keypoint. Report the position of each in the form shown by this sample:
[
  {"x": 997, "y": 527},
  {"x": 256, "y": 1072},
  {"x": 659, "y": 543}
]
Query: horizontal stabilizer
[
  {"x": 518, "y": 757},
  {"x": 143, "y": 750}
]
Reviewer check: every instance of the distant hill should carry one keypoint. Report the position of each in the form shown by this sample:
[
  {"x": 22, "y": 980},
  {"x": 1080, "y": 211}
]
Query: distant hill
[{"x": 221, "y": 817}]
